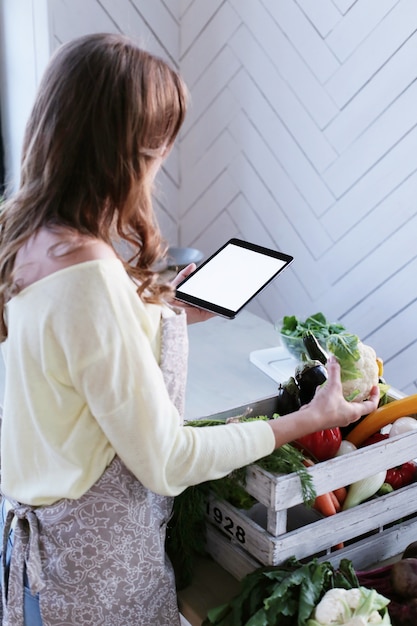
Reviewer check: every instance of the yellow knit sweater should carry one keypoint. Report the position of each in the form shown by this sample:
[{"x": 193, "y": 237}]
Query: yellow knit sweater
[{"x": 83, "y": 384}]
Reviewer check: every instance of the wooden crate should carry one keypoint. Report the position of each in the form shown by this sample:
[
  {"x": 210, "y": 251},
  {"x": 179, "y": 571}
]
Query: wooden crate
[{"x": 280, "y": 526}]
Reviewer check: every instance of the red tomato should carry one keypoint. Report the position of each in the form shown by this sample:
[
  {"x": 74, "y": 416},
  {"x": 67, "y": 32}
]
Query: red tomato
[
  {"x": 321, "y": 445},
  {"x": 399, "y": 476},
  {"x": 402, "y": 475}
]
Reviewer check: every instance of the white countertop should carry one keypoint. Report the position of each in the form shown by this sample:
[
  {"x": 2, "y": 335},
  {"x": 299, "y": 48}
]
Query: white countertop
[{"x": 220, "y": 373}]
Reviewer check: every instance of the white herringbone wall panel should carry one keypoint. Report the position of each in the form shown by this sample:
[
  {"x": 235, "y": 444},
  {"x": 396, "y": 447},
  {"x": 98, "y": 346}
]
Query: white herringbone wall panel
[
  {"x": 302, "y": 135},
  {"x": 155, "y": 25}
]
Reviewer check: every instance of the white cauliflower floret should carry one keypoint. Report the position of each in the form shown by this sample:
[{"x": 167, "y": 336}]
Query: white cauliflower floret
[
  {"x": 359, "y": 389},
  {"x": 332, "y": 607},
  {"x": 350, "y": 607},
  {"x": 354, "y": 597}
]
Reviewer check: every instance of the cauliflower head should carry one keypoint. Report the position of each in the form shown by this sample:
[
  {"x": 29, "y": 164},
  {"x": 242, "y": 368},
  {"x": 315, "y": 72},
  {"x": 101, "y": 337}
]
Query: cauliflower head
[
  {"x": 358, "y": 364},
  {"x": 358, "y": 389},
  {"x": 351, "y": 607}
]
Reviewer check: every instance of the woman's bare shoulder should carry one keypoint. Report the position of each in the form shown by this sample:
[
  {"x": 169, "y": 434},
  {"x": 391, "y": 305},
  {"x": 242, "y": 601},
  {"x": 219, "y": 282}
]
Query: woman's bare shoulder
[{"x": 50, "y": 250}]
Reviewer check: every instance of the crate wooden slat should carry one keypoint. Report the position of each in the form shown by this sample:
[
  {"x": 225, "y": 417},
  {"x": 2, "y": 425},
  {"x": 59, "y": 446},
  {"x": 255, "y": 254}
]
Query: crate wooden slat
[
  {"x": 374, "y": 530},
  {"x": 364, "y": 553},
  {"x": 317, "y": 536},
  {"x": 279, "y": 492},
  {"x": 231, "y": 557}
]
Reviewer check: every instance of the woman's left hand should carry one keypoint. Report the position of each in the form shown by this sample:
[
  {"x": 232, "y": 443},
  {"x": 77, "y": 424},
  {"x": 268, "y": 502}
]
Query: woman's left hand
[{"x": 194, "y": 314}]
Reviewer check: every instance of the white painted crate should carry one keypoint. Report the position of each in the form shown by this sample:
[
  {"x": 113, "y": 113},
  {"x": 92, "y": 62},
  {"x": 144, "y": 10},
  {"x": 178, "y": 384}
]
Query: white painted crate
[{"x": 280, "y": 526}]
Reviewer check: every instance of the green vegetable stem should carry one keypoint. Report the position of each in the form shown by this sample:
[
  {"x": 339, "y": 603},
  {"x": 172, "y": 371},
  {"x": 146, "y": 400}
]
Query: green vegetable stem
[{"x": 313, "y": 348}]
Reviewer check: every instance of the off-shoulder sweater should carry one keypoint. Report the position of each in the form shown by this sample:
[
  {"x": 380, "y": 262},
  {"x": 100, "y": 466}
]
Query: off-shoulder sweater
[{"x": 83, "y": 384}]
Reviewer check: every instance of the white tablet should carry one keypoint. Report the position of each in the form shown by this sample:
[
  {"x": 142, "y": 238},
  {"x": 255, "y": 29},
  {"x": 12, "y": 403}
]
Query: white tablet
[{"x": 231, "y": 277}]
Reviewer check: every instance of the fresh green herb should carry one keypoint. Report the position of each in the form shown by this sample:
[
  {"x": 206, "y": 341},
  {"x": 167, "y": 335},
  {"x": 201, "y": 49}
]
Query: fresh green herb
[
  {"x": 317, "y": 324},
  {"x": 288, "y": 459},
  {"x": 205, "y": 422},
  {"x": 285, "y": 594}
]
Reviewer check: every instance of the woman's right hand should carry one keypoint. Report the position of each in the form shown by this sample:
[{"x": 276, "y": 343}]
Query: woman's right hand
[
  {"x": 327, "y": 409},
  {"x": 331, "y": 407}
]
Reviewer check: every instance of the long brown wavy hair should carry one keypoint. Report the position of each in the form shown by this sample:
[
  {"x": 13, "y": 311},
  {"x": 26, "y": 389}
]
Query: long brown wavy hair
[{"x": 105, "y": 110}]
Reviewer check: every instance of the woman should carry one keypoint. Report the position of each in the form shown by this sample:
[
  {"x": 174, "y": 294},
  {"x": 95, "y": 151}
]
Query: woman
[{"x": 93, "y": 449}]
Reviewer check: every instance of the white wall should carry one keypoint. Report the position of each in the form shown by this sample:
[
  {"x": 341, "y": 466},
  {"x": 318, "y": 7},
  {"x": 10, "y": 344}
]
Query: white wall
[
  {"x": 24, "y": 52},
  {"x": 32, "y": 29},
  {"x": 302, "y": 136},
  {"x": 155, "y": 25}
]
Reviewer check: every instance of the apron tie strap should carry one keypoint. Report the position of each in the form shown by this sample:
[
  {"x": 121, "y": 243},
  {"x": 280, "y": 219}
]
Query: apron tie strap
[{"x": 26, "y": 552}]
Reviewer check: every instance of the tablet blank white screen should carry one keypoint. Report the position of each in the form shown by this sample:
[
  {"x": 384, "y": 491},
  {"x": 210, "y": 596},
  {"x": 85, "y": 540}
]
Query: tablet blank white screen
[{"x": 232, "y": 277}]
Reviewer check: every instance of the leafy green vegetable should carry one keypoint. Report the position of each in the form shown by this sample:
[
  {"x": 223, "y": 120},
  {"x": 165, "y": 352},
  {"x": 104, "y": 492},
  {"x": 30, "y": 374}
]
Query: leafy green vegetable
[
  {"x": 317, "y": 324},
  {"x": 285, "y": 594},
  {"x": 345, "y": 347}
]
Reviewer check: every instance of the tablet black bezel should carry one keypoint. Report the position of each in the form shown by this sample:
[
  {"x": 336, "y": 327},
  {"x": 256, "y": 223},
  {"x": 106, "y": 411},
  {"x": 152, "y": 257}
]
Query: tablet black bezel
[{"x": 218, "y": 310}]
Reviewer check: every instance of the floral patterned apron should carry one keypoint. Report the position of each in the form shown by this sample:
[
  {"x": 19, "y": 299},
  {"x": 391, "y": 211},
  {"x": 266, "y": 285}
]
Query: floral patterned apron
[{"x": 100, "y": 560}]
